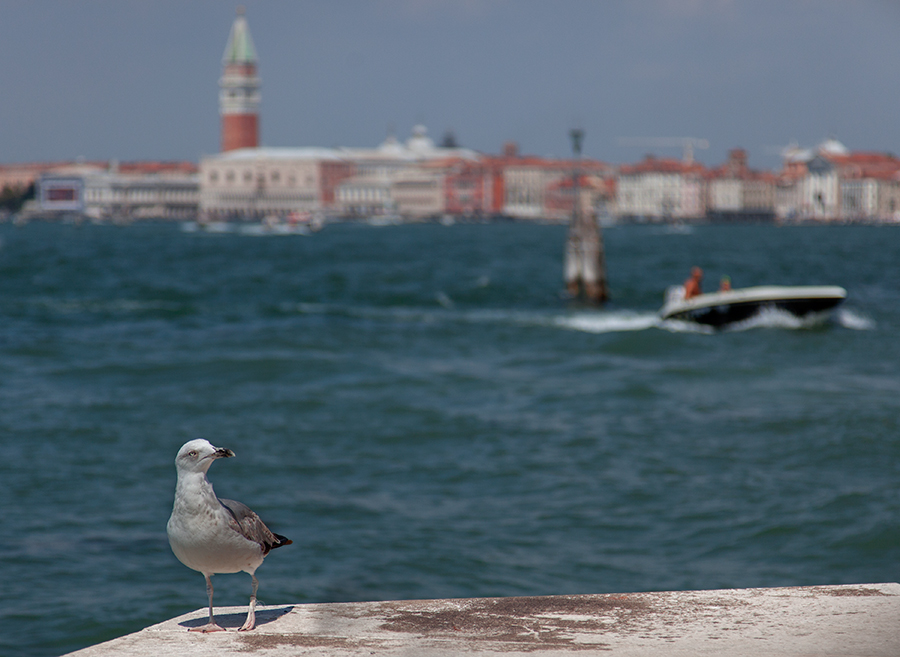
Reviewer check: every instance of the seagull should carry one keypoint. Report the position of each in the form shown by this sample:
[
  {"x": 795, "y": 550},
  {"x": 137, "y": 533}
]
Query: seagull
[{"x": 211, "y": 535}]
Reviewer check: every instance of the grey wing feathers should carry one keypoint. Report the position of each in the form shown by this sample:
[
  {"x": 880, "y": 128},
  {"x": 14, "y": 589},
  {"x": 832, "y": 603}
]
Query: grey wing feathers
[{"x": 252, "y": 528}]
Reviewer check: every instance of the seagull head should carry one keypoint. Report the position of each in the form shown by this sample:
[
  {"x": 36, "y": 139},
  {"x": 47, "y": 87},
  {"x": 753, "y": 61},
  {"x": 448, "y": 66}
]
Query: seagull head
[{"x": 197, "y": 455}]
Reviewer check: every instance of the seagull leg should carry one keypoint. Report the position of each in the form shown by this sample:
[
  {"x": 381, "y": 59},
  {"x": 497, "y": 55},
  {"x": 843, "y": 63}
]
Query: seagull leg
[
  {"x": 211, "y": 625},
  {"x": 250, "y": 623}
]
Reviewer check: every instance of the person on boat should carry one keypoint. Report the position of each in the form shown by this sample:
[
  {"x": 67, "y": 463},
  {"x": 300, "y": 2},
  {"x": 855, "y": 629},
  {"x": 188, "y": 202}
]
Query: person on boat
[
  {"x": 694, "y": 285},
  {"x": 725, "y": 284}
]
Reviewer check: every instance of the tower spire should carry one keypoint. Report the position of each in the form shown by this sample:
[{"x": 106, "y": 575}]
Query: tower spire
[{"x": 239, "y": 89}]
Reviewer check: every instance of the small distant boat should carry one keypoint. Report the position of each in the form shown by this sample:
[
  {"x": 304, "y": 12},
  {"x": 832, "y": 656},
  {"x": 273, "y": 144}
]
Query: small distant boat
[
  {"x": 721, "y": 308},
  {"x": 207, "y": 227},
  {"x": 384, "y": 220},
  {"x": 275, "y": 225}
]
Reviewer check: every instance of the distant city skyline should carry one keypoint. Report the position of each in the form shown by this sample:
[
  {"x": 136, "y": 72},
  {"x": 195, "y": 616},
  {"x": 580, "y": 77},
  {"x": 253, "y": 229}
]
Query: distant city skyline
[{"x": 106, "y": 80}]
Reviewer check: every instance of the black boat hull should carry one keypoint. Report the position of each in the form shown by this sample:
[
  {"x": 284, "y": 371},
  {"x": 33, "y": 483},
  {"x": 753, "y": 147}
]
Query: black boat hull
[{"x": 724, "y": 308}]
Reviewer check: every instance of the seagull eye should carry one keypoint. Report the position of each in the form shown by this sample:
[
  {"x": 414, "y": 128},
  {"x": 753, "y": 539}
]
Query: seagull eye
[{"x": 192, "y": 454}]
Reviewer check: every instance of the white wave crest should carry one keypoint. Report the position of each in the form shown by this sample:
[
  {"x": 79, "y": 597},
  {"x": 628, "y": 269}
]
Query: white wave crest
[
  {"x": 612, "y": 322},
  {"x": 851, "y": 320},
  {"x": 597, "y": 322},
  {"x": 682, "y": 326},
  {"x": 776, "y": 318}
]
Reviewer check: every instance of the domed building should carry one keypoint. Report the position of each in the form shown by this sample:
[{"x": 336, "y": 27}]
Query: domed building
[{"x": 245, "y": 180}]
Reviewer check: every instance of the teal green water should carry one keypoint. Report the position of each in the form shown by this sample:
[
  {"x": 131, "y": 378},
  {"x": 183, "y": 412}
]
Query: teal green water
[{"x": 425, "y": 415}]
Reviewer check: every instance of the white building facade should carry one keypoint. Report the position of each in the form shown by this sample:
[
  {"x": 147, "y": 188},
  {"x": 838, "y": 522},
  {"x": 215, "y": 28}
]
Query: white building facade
[
  {"x": 402, "y": 179},
  {"x": 525, "y": 187},
  {"x": 257, "y": 182},
  {"x": 107, "y": 195},
  {"x": 661, "y": 190}
]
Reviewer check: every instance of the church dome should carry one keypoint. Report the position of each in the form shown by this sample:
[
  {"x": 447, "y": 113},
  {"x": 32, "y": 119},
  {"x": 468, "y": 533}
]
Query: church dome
[
  {"x": 832, "y": 146},
  {"x": 420, "y": 141}
]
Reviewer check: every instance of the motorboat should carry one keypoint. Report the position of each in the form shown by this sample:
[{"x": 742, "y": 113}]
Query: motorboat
[
  {"x": 273, "y": 228},
  {"x": 718, "y": 309},
  {"x": 206, "y": 226}
]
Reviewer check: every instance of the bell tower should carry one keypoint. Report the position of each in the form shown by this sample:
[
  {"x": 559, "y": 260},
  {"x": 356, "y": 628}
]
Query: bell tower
[{"x": 239, "y": 89}]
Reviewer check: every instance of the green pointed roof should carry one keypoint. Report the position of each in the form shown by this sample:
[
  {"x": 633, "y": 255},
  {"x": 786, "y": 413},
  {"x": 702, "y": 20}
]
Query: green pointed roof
[{"x": 240, "y": 48}]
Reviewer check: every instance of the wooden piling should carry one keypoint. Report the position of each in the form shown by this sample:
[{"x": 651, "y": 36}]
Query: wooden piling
[{"x": 585, "y": 262}]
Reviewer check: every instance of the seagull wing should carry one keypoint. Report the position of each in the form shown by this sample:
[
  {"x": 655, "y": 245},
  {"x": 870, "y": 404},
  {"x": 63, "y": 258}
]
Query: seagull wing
[{"x": 248, "y": 524}]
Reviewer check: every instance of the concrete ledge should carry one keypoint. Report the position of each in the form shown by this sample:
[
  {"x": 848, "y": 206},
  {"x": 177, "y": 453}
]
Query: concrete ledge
[{"x": 859, "y": 620}]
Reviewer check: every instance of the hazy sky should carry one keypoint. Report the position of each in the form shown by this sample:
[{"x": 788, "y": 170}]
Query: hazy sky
[{"x": 138, "y": 79}]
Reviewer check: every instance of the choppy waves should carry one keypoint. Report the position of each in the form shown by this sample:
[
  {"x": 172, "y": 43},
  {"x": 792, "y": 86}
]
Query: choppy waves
[
  {"x": 587, "y": 321},
  {"x": 426, "y": 416},
  {"x": 623, "y": 321}
]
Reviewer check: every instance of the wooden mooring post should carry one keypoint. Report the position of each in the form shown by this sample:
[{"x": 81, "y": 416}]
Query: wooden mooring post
[{"x": 585, "y": 263}]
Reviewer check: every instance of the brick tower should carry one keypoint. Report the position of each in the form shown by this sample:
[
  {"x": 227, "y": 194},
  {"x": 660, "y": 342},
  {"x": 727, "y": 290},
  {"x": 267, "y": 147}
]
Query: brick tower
[{"x": 239, "y": 89}]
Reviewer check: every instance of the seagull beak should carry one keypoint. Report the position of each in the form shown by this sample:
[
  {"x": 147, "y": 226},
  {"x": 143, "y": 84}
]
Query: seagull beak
[{"x": 222, "y": 453}]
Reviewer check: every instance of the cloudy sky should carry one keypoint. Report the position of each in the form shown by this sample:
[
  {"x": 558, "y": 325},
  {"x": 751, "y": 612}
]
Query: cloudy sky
[{"x": 138, "y": 79}]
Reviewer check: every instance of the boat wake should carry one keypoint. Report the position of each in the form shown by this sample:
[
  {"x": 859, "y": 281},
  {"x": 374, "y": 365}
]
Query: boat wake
[
  {"x": 610, "y": 322},
  {"x": 597, "y": 322},
  {"x": 780, "y": 319},
  {"x": 851, "y": 320},
  {"x": 627, "y": 321}
]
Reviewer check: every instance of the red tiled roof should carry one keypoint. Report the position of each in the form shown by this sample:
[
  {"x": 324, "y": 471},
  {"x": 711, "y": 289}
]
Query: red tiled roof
[
  {"x": 585, "y": 180},
  {"x": 157, "y": 167},
  {"x": 866, "y": 164},
  {"x": 651, "y": 164},
  {"x": 724, "y": 171},
  {"x": 545, "y": 162}
]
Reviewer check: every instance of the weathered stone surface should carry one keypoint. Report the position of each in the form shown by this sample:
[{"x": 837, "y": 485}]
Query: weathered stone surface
[{"x": 859, "y": 620}]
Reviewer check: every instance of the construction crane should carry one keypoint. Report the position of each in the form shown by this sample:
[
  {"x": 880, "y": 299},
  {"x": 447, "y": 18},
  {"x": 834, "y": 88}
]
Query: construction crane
[{"x": 687, "y": 144}]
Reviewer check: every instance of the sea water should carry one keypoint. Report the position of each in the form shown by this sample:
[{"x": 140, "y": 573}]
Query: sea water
[{"x": 426, "y": 415}]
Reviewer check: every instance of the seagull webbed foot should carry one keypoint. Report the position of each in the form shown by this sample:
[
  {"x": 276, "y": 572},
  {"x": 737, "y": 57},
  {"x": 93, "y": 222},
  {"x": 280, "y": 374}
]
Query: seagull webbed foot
[
  {"x": 249, "y": 624},
  {"x": 209, "y": 627}
]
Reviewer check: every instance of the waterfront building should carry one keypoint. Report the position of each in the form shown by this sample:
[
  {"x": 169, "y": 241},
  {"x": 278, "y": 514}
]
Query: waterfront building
[
  {"x": 408, "y": 178},
  {"x": 368, "y": 191},
  {"x": 118, "y": 192},
  {"x": 419, "y": 194},
  {"x": 518, "y": 184},
  {"x": 661, "y": 189},
  {"x": 18, "y": 177},
  {"x": 809, "y": 189},
  {"x": 469, "y": 188},
  {"x": 736, "y": 192},
  {"x": 832, "y": 183},
  {"x": 525, "y": 183},
  {"x": 365, "y": 196},
  {"x": 596, "y": 195},
  {"x": 256, "y": 182},
  {"x": 239, "y": 95},
  {"x": 786, "y": 199},
  {"x": 819, "y": 190},
  {"x": 870, "y": 188}
]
